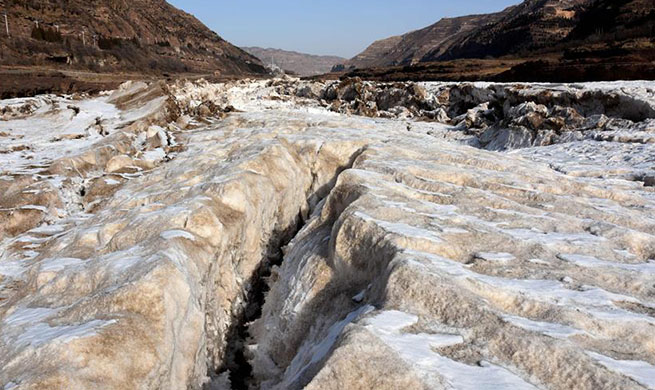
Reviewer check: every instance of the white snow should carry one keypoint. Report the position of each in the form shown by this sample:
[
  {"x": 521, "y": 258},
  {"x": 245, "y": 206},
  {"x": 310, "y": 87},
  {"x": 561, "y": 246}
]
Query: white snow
[
  {"x": 418, "y": 351},
  {"x": 59, "y": 264},
  {"x": 42, "y": 333},
  {"x": 154, "y": 155},
  {"x": 593, "y": 262},
  {"x": 112, "y": 182},
  {"x": 596, "y": 159},
  {"x": 48, "y": 229},
  {"x": 28, "y": 326},
  {"x": 11, "y": 269},
  {"x": 401, "y": 229},
  {"x": 35, "y": 207},
  {"x": 553, "y": 238},
  {"x": 29, "y": 315},
  {"x": 501, "y": 257},
  {"x": 53, "y": 131},
  {"x": 593, "y": 300},
  {"x": 320, "y": 350},
  {"x": 640, "y": 371},
  {"x": 539, "y": 261},
  {"x": 171, "y": 234},
  {"x": 548, "y": 328}
]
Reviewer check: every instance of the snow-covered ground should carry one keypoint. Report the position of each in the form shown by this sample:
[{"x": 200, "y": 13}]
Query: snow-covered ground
[
  {"x": 58, "y": 126},
  {"x": 138, "y": 228}
]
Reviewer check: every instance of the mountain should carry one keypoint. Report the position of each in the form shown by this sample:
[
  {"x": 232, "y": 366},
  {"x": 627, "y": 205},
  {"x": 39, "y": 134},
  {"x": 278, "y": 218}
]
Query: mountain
[
  {"x": 531, "y": 26},
  {"x": 412, "y": 47},
  {"x": 149, "y": 36},
  {"x": 616, "y": 20},
  {"x": 299, "y": 63},
  {"x": 377, "y": 54},
  {"x": 537, "y": 40}
]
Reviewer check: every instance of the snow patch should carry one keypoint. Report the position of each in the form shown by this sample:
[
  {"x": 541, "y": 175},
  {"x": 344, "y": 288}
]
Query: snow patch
[
  {"x": 171, "y": 234},
  {"x": 548, "y": 328},
  {"x": 495, "y": 257},
  {"x": 59, "y": 264},
  {"x": 319, "y": 351},
  {"x": 640, "y": 371},
  {"x": 418, "y": 351}
]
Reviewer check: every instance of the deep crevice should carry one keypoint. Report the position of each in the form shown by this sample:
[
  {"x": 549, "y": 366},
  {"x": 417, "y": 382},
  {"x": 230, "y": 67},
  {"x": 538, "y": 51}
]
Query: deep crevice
[
  {"x": 236, "y": 359},
  {"x": 235, "y": 363}
]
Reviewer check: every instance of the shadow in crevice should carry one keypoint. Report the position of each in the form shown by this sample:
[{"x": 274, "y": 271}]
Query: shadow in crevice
[
  {"x": 369, "y": 271},
  {"x": 368, "y": 265},
  {"x": 235, "y": 362}
]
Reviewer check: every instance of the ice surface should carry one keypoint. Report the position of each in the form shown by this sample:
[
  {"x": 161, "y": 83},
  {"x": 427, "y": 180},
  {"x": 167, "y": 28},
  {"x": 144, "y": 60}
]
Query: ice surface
[
  {"x": 495, "y": 257},
  {"x": 319, "y": 351},
  {"x": 40, "y": 334},
  {"x": 171, "y": 234},
  {"x": 592, "y": 262},
  {"x": 418, "y": 350},
  {"x": 640, "y": 371},
  {"x": 550, "y": 329},
  {"x": 514, "y": 264}
]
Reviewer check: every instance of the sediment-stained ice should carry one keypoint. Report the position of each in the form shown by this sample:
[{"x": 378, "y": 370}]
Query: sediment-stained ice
[{"x": 259, "y": 233}]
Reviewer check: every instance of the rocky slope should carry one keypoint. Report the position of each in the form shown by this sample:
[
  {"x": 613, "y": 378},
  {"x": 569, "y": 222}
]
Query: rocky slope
[
  {"x": 414, "y": 46},
  {"x": 624, "y": 24},
  {"x": 531, "y": 26},
  {"x": 300, "y": 64},
  {"x": 375, "y": 55},
  {"x": 560, "y": 41},
  {"x": 114, "y": 35},
  {"x": 257, "y": 234}
]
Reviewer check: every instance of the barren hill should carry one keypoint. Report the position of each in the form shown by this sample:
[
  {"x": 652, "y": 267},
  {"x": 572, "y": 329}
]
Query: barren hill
[
  {"x": 412, "y": 47},
  {"x": 377, "y": 54},
  {"x": 299, "y": 63},
  {"x": 616, "y": 20},
  {"x": 537, "y": 40},
  {"x": 116, "y": 35},
  {"x": 530, "y": 26}
]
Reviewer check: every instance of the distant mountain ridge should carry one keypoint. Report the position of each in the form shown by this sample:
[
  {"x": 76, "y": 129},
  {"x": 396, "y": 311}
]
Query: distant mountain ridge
[
  {"x": 531, "y": 29},
  {"x": 413, "y": 46},
  {"x": 116, "y": 35},
  {"x": 300, "y": 63},
  {"x": 530, "y": 26}
]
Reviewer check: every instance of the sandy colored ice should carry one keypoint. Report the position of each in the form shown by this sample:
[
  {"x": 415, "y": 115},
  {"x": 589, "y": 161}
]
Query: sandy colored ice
[{"x": 400, "y": 256}]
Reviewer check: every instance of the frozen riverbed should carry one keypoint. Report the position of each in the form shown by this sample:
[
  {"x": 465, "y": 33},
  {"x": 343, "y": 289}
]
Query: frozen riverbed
[{"x": 261, "y": 234}]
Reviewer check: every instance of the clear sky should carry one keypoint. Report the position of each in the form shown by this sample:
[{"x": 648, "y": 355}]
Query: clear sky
[{"x": 334, "y": 27}]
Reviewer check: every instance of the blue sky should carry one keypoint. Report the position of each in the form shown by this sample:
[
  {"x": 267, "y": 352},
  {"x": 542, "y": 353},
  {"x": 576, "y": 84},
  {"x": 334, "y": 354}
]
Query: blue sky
[{"x": 336, "y": 27}]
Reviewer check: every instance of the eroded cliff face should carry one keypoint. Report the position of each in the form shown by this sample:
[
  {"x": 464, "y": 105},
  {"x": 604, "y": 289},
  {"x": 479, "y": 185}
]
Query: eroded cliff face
[{"x": 238, "y": 235}]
